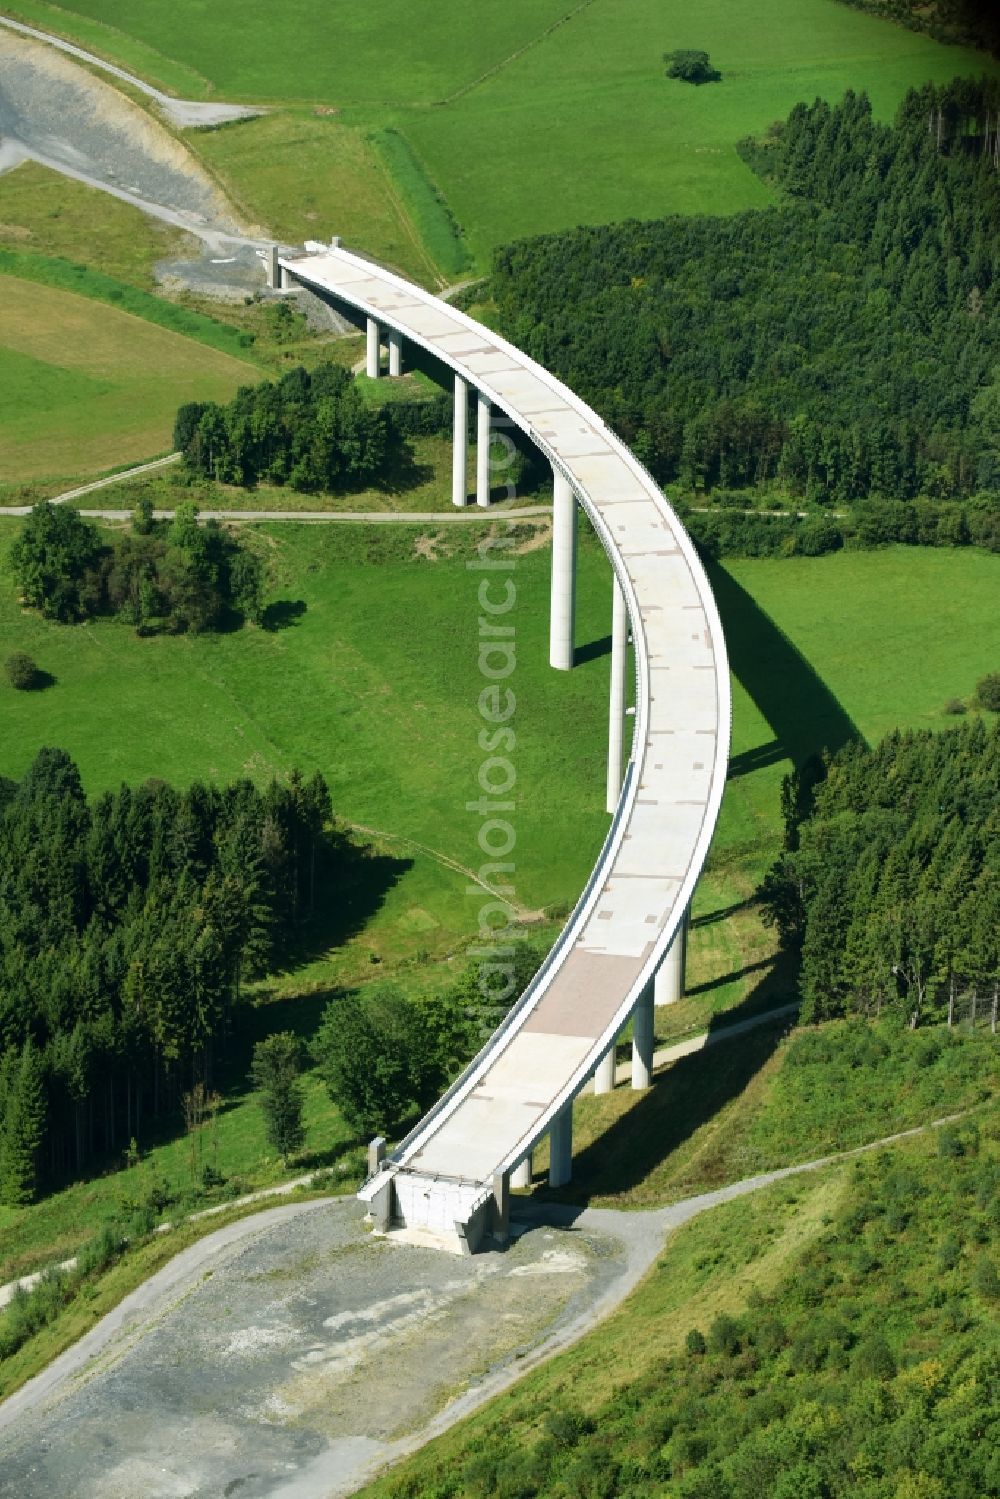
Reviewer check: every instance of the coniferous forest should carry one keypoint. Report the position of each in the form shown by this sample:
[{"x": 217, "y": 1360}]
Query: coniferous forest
[
  {"x": 890, "y": 883},
  {"x": 127, "y": 926},
  {"x": 841, "y": 344}
]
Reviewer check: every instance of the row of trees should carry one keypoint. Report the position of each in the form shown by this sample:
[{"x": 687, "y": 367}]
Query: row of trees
[
  {"x": 732, "y": 531},
  {"x": 160, "y": 575},
  {"x": 311, "y": 431},
  {"x": 974, "y": 23},
  {"x": 127, "y": 926},
  {"x": 889, "y": 884},
  {"x": 842, "y": 344}
]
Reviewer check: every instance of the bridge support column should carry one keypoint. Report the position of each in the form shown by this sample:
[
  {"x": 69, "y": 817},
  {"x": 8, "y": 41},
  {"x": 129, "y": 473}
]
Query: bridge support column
[
  {"x": 521, "y": 1174},
  {"x": 669, "y": 986},
  {"x": 373, "y": 358},
  {"x": 604, "y": 1073},
  {"x": 642, "y": 1040},
  {"x": 460, "y": 438},
  {"x": 616, "y": 712},
  {"x": 376, "y": 1154},
  {"x": 272, "y": 270},
  {"x": 561, "y": 1148},
  {"x": 483, "y": 414},
  {"x": 563, "y": 604},
  {"x": 501, "y": 1207},
  {"x": 395, "y": 352}
]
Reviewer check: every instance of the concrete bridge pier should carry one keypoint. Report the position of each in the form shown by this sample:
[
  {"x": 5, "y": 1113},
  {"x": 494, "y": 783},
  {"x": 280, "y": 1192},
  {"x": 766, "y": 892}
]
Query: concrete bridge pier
[
  {"x": 561, "y": 1147},
  {"x": 501, "y": 1206},
  {"x": 642, "y": 1040},
  {"x": 373, "y": 360},
  {"x": 521, "y": 1174},
  {"x": 562, "y": 619},
  {"x": 483, "y": 416},
  {"x": 669, "y": 986},
  {"x": 616, "y": 710},
  {"x": 460, "y": 448},
  {"x": 395, "y": 352},
  {"x": 604, "y": 1072}
]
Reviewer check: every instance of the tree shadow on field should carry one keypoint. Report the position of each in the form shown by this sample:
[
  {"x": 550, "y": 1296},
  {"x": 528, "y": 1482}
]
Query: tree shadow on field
[
  {"x": 282, "y": 614},
  {"x": 351, "y": 888},
  {"x": 802, "y": 712}
]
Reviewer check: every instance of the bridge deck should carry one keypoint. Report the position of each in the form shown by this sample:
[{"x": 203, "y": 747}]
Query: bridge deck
[{"x": 633, "y": 904}]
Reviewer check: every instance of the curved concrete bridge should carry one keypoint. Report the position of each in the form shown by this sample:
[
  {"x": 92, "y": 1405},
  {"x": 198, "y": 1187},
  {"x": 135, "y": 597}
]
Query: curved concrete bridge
[{"x": 624, "y": 939}]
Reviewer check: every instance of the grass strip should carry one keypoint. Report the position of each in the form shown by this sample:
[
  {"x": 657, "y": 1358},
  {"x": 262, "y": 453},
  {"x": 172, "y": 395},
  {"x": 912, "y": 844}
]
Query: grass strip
[
  {"x": 428, "y": 208},
  {"x": 53, "y": 270}
]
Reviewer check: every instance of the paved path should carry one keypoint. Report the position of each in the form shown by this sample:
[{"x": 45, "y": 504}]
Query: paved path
[
  {"x": 181, "y": 112},
  {"x": 366, "y": 517},
  {"x": 290, "y": 1354}
]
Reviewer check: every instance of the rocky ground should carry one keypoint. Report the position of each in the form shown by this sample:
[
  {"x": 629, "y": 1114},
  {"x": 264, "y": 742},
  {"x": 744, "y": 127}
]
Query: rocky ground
[{"x": 289, "y": 1362}]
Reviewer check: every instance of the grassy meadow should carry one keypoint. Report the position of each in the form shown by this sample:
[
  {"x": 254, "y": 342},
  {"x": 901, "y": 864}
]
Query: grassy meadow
[
  {"x": 534, "y": 118},
  {"x": 47, "y": 214},
  {"x": 85, "y": 387},
  {"x": 371, "y": 676}
]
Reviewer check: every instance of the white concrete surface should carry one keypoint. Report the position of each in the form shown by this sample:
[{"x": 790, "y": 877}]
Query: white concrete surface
[
  {"x": 395, "y": 353},
  {"x": 616, "y": 705},
  {"x": 549, "y": 1046},
  {"x": 373, "y": 349},
  {"x": 643, "y": 1040},
  {"x": 669, "y": 985},
  {"x": 562, "y": 619},
  {"x": 604, "y": 1072},
  {"x": 521, "y": 1174},
  {"x": 482, "y": 451},
  {"x": 460, "y": 445}
]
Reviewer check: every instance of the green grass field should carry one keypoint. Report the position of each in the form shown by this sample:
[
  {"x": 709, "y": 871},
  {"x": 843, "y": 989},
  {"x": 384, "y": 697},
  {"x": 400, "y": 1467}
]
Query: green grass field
[
  {"x": 538, "y": 117},
  {"x": 51, "y": 215},
  {"x": 85, "y": 387},
  {"x": 375, "y": 682}
]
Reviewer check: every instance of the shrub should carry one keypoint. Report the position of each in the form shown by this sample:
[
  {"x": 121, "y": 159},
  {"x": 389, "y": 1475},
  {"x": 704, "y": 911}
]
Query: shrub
[
  {"x": 695, "y": 1341},
  {"x": 22, "y": 672},
  {"x": 690, "y": 66},
  {"x": 954, "y": 706},
  {"x": 873, "y": 1358},
  {"x": 985, "y": 1280},
  {"x": 988, "y": 692},
  {"x": 724, "y": 1335}
]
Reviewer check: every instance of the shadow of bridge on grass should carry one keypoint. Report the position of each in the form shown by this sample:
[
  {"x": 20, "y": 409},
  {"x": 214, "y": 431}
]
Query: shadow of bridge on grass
[
  {"x": 627, "y": 1151},
  {"x": 804, "y": 715}
]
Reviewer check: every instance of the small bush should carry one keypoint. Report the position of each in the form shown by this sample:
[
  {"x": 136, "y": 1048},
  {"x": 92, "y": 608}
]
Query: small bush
[
  {"x": 695, "y": 1342},
  {"x": 988, "y": 692},
  {"x": 724, "y": 1335},
  {"x": 873, "y": 1359},
  {"x": 955, "y": 706},
  {"x": 690, "y": 66},
  {"x": 22, "y": 672},
  {"x": 985, "y": 1280}
]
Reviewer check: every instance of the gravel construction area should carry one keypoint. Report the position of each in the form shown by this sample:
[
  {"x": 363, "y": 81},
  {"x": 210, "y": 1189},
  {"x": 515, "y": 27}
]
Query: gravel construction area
[
  {"x": 55, "y": 111},
  {"x": 290, "y": 1362}
]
